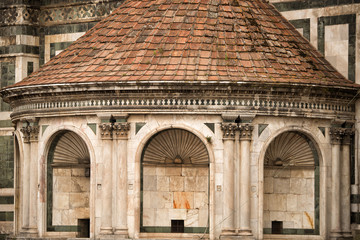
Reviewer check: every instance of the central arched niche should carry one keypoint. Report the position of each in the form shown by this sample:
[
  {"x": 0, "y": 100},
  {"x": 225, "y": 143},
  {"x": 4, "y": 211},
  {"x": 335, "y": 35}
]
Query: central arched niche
[
  {"x": 68, "y": 185},
  {"x": 175, "y": 183},
  {"x": 291, "y": 186}
]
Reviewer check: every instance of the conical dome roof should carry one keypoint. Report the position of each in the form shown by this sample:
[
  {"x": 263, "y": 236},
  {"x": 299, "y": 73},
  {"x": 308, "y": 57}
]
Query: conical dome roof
[{"x": 190, "y": 40}]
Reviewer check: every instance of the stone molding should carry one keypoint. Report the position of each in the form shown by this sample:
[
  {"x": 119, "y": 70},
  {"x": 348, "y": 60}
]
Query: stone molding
[
  {"x": 254, "y": 105},
  {"x": 246, "y": 132},
  {"x": 30, "y": 133},
  {"x": 109, "y": 131},
  {"x": 229, "y": 130}
]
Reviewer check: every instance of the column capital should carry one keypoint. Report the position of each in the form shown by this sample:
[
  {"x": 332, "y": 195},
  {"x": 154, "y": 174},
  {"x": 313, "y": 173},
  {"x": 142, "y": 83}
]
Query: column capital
[
  {"x": 336, "y": 135},
  {"x": 106, "y": 131},
  {"x": 246, "y": 131},
  {"x": 120, "y": 130},
  {"x": 348, "y": 133},
  {"x": 229, "y": 130},
  {"x": 31, "y": 133}
]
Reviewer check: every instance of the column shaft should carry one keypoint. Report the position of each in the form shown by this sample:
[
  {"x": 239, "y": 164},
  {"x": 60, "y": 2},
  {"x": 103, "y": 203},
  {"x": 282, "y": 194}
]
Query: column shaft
[
  {"x": 335, "y": 189},
  {"x": 33, "y": 188},
  {"x": 245, "y": 188},
  {"x": 245, "y": 198},
  {"x": 106, "y": 188},
  {"x": 345, "y": 185},
  {"x": 25, "y": 185},
  {"x": 121, "y": 188},
  {"x": 229, "y": 209}
]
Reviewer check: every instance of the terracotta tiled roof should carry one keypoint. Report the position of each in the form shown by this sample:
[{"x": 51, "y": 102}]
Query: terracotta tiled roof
[{"x": 191, "y": 40}]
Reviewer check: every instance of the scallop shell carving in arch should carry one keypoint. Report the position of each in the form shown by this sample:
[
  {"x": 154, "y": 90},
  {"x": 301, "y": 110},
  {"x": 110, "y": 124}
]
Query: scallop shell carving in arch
[
  {"x": 176, "y": 146},
  {"x": 70, "y": 150},
  {"x": 289, "y": 149}
]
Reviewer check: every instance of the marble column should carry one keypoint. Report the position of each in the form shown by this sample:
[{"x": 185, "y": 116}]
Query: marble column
[
  {"x": 30, "y": 179},
  {"x": 245, "y": 199},
  {"x": 228, "y": 194},
  {"x": 120, "y": 134},
  {"x": 25, "y": 182},
  {"x": 106, "y": 186},
  {"x": 336, "y": 135},
  {"x": 345, "y": 185}
]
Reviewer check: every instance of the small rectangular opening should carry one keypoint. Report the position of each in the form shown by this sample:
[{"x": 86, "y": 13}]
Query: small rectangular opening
[
  {"x": 177, "y": 226},
  {"x": 276, "y": 227},
  {"x": 84, "y": 228}
]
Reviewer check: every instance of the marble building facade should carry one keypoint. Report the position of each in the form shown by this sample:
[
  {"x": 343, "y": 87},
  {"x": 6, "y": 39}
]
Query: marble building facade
[{"x": 33, "y": 32}]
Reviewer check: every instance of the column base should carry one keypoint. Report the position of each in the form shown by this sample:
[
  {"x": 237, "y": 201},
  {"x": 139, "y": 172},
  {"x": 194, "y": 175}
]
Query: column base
[
  {"x": 121, "y": 233},
  {"x": 245, "y": 234},
  {"x": 228, "y": 234},
  {"x": 347, "y": 235},
  {"x": 29, "y": 232},
  {"x": 106, "y": 231},
  {"x": 336, "y": 235}
]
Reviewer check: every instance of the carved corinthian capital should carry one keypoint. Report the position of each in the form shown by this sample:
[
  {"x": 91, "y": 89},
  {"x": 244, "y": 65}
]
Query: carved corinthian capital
[
  {"x": 106, "y": 131},
  {"x": 348, "y": 133},
  {"x": 336, "y": 135},
  {"x": 246, "y": 131},
  {"x": 30, "y": 133},
  {"x": 120, "y": 130},
  {"x": 229, "y": 130}
]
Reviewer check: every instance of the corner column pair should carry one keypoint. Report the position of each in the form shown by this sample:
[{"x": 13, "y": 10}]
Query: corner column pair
[
  {"x": 236, "y": 212},
  {"x": 340, "y": 177},
  {"x": 30, "y": 132},
  {"x": 114, "y": 178}
]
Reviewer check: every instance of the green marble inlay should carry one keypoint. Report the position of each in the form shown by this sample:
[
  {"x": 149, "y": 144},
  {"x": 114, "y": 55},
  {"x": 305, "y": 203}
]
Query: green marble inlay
[
  {"x": 69, "y": 28},
  {"x": 7, "y": 75},
  {"x": 308, "y": 4},
  {"x": 168, "y": 229},
  {"x": 261, "y": 128},
  {"x": 322, "y": 130},
  {"x": 138, "y": 126},
  {"x": 92, "y": 126},
  {"x": 64, "y": 229},
  {"x": 59, "y": 46},
  {"x": 211, "y": 126},
  {"x": 6, "y": 216},
  {"x": 6, "y": 199},
  {"x": 19, "y": 30},
  {"x": 19, "y": 49},
  {"x": 5, "y": 123},
  {"x": 336, "y": 20},
  {"x": 6, "y": 162},
  {"x": 292, "y": 231},
  {"x": 30, "y": 68},
  {"x": 3, "y": 236},
  {"x": 43, "y": 128},
  {"x": 304, "y": 24}
]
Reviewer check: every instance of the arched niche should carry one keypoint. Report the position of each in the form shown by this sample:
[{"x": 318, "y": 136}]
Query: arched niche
[
  {"x": 174, "y": 183},
  {"x": 291, "y": 186},
  {"x": 68, "y": 185}
]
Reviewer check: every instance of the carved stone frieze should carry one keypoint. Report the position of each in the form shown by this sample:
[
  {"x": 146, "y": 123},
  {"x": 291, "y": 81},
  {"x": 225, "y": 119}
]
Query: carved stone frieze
[
  {"x": 111, "y": 131},
  {"x": 246, "y": 131},
  {"x": 30, "y": 133},
  {"x": 348, "y": 134},
  {"x": 229, "y": 130},
  {"x": 106, "y": 131},
  {"x": 120, "y": 130},
  {"x": 336, "y": 135}
]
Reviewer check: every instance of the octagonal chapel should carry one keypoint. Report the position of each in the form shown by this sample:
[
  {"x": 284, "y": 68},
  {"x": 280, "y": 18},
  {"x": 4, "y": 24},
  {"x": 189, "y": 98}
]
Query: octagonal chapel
[{"x": 175, "y": 119}]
